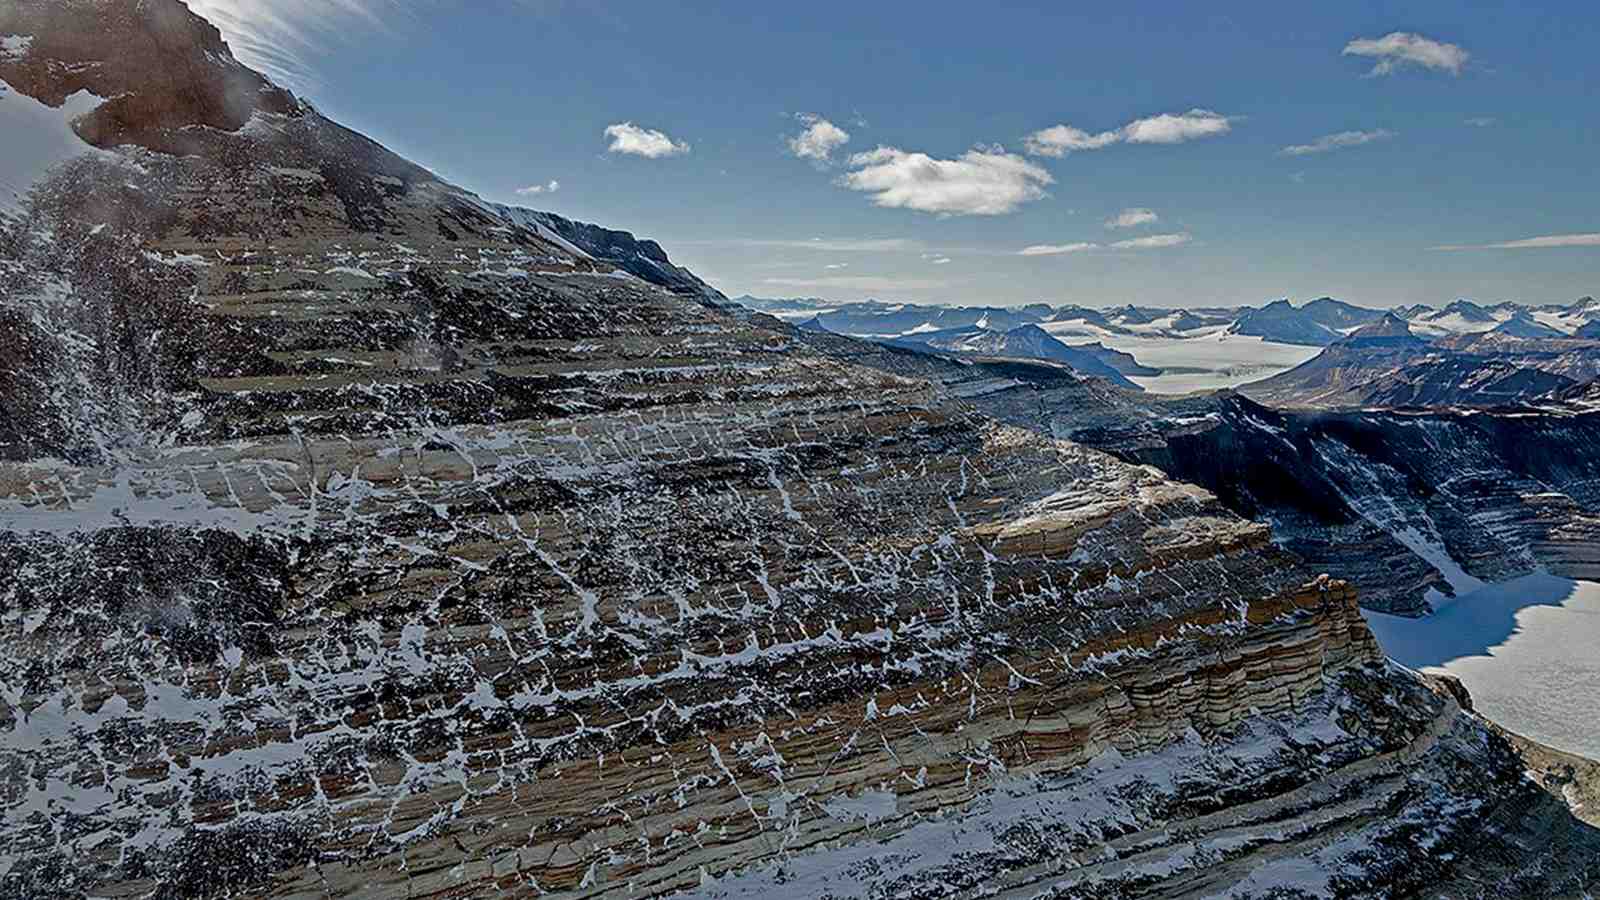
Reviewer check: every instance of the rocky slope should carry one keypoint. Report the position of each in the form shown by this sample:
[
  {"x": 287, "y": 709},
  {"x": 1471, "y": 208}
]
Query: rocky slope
[
  {"x": 368, "y": 539},
  {"x": 1026, "y": 342},
  {"x": 1386, "y": 365},
  {"x": 1401, "y": 503}
]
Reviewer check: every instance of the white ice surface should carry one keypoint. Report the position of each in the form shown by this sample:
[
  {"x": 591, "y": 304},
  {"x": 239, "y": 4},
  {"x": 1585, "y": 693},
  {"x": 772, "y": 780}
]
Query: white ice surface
[
  {"x": 1208, "y": 360},
  {"x": 36, "y": 138},
  {"x": 1528, "y": 650}
]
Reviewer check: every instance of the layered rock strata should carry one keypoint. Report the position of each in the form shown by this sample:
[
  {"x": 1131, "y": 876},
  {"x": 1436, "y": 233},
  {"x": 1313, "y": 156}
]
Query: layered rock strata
[{"x": 365, "y": 538}]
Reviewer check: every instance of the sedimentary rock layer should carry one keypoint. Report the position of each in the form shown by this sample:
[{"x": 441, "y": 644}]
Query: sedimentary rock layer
[{"x": 363, "y": 537}]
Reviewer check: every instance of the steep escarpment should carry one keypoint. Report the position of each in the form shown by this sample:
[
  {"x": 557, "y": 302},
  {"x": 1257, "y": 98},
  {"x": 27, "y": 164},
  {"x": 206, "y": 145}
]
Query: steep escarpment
[
  {"x": 369, "y": 539},
  {"x": 1401, "y": 503}
]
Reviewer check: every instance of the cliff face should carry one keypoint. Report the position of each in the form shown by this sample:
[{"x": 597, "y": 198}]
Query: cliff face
[
  {"x": 1400, "y": 503},
  {"x": 366, "y": 538}
]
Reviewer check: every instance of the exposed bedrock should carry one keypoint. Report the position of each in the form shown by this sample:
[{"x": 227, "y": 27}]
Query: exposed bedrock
[{"x": 363, "y": 538}]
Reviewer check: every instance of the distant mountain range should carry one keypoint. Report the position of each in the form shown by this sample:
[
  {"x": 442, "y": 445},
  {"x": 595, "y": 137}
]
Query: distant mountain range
[
  {"x": 1318, "y": 323},
  {"x": 1464, "y": 354}
]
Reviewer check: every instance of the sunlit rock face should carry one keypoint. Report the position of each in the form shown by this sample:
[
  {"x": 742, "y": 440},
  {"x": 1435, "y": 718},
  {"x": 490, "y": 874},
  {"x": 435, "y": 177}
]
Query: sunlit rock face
[{"x": 362, "y": 538}]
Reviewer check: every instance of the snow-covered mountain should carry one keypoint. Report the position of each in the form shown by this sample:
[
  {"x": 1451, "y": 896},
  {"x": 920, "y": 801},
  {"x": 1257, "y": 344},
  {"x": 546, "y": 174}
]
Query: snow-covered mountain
[
  {"x": 1024, "y": 342},
  {"x": 360, "y": 538}
]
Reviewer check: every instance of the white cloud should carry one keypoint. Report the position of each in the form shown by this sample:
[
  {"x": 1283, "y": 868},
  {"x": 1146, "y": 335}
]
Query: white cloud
[
  {"x": 1059, "y": 140},
  {"x": 1175, "y": 129},
  {"x": 1167, "y": 128},
  {"x": 1133, "y": 217},
  {"x": 549, "y": 188},
  {"x": 1057, "y": 249},
  {"x": 1482, "y": 121},
  {"x": 937, "y": 259},
  {"x": 1338, "y": 141},
  {"x": 837, "y": 266},
  {"x": 629, "y": 138},
  {"x": 981, "y": 182},
  {"x": 818, "y": 141},
  {"x": 1533, "y": 243},
  {"x": 1153, "y": 242},
  {"x": 1399, "y": 49}
]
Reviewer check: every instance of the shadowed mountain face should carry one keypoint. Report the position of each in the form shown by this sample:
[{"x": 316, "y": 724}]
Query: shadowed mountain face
[
  {"x": 1401, "y": 503},
  {"x": 365, "y": 539},
  {"x": 1026, "y": 342},
  {"x": 1386, "y": 365}
]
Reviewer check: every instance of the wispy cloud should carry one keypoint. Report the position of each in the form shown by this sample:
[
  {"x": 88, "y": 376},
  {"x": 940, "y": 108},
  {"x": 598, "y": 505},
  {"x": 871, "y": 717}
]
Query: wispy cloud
[
  {"x": 1481, "y": 121},
  {"x": 1154, "y": 242},
  {"x": 1400, "y": 49},
  {"x": 548, "y": 188},
  {"x": 1533, "y": 243},
  {"x": 283, "y": 38},
  {"x": 1149, "y": 242},
  {"x": 819, "y": 139},
  {"x": 937, "y": 259},
  {"x": 286, "y": 39},
  {"x": 832, "y": 266},
  {"x": 1133, "y": 217},
  {"x": 633, "y": 140},
  {"x": 1338, "y": 141},
  {"x": 984, "y": 181},
  {"x": 1167, "y": 128},
  {"x": 1058, "y": 249}
]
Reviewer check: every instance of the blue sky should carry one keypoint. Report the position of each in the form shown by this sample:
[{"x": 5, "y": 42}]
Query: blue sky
[{"x": 1416, "y": 126}]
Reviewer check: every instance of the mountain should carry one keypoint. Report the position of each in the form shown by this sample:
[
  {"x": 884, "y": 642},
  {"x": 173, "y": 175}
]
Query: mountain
[
  {"x": 1460, "y": 317},
  {"x": 365, "y": 538},
  {"x": 1410, "y": 504},
  {"x": 1466, "y": 311},
  {"x": 1116, "y": 359},
  {"x": 1589, "y": 332},
  {"x": 1386, "y": 365},
  {"x": 1026, "y": 342},
  {"x": 1522, "y": 325},
  {"x": 1338, "y": 315},
  {"x": 1280, "y": 321}
]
